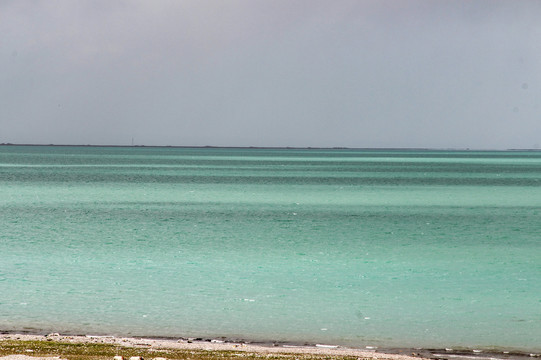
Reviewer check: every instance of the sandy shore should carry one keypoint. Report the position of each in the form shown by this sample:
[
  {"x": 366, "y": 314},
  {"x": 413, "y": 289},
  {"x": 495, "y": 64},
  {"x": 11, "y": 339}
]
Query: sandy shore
[{"x": 212, "y": 345}]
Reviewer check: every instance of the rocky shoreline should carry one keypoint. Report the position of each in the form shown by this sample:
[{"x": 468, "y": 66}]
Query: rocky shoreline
[
  {"x": 208, "y": 345},
  {"x": 265, "y": 349}
]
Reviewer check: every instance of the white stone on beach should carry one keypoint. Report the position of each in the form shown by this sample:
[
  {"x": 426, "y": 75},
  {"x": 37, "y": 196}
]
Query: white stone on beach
[
  {"x": 100, "y": 336},
  {"x": 327, "y": 346},
  {"x": 118, "y": 357},
  {"x": 136, "y": 358}
]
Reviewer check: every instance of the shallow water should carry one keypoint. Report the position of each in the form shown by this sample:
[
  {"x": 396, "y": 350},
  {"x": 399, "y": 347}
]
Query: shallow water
[{"x": 380, "y": 248}]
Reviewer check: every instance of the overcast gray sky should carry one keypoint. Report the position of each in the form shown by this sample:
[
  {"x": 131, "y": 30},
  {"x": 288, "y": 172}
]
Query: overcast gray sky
[{"x": 402, "y": 73}]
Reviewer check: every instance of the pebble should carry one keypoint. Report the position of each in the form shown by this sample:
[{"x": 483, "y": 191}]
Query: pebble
[
  {"x": 118, "y": 357},
  {"x": 327, "y": 346}
]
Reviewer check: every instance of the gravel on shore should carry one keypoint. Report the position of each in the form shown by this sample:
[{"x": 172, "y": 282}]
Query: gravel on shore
[{"x": 198, "y": 344}]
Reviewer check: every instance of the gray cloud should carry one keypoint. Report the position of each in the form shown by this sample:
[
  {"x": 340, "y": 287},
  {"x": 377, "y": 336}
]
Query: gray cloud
[{"x": 271, "y": 73}]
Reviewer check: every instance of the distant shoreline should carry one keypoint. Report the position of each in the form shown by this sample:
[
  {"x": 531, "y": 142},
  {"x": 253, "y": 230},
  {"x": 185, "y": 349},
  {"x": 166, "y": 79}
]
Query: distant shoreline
[{"x": 271, "y": 147}]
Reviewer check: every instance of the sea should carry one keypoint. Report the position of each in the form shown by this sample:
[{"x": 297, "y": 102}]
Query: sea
[{"x": 351, "y": 247}]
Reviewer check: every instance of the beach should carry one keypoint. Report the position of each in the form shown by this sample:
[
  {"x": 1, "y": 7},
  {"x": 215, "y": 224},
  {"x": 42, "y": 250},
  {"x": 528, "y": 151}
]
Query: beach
[
  {"x": 15, "y": 346},
  {"x": 161, "y": 348}
]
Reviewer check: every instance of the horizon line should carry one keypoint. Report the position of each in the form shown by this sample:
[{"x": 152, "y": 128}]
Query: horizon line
[{"x": 271, "y": 147}]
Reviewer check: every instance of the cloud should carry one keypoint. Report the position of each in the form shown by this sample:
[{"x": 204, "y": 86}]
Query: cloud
[{"x": 271, "y": 73}]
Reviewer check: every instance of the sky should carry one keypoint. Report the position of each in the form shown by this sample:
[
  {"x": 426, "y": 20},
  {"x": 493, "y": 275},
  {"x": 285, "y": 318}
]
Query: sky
[{"x": 302, "y": 73}]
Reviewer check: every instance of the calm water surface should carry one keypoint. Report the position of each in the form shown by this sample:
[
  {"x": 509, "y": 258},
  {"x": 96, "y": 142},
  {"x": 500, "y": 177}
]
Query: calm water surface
[{"x": 351, "y": 247}]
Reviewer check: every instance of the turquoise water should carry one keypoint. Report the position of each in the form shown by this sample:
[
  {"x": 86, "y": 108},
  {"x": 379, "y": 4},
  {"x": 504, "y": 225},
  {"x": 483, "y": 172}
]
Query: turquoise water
[{"x": 380, "y": 248}]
